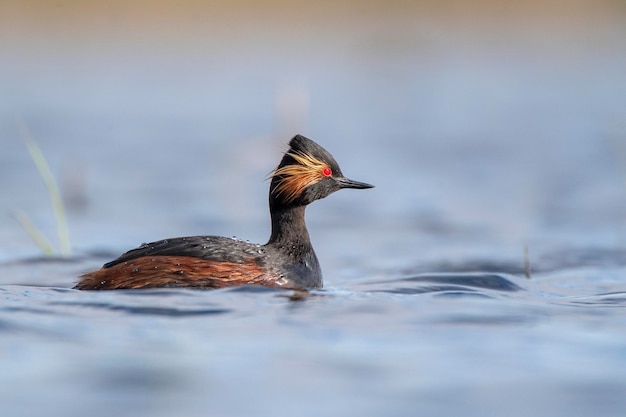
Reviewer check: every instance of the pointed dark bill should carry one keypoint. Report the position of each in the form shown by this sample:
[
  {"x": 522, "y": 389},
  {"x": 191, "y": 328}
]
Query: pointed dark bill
[{"x": 347, "y": 183}]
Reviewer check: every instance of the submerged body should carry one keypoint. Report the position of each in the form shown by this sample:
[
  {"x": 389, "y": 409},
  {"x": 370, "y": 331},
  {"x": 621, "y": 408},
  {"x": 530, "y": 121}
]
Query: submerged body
[
  {"x": 207, "y": 262},
  {"x": 306, "y": 173}
]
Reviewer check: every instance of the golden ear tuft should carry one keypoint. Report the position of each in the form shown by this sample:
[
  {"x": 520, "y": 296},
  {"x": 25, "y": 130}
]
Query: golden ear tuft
[{"x": 294, "y": 178}]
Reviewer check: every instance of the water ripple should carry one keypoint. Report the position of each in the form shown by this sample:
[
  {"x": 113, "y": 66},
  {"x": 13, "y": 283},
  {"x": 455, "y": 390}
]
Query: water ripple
[
  {"x": 149, "y": 310},
  {"x": 450, "y": 284},
  {"x": 611, "y": 299}
]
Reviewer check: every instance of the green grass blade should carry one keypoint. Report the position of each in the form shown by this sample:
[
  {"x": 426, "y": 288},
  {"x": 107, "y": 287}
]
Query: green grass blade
[
  {"x": 37, "y": 237},
  {"x": 53, "y": 189}
]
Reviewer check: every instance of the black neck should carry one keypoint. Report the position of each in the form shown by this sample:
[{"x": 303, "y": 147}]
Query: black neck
[
  {"x": 289, "y": 228},
  {"x": 290, "y": 240}
]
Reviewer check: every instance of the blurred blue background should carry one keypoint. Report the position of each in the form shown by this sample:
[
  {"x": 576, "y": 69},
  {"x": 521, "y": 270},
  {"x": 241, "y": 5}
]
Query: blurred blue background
[{"x": 498, "y": 122}]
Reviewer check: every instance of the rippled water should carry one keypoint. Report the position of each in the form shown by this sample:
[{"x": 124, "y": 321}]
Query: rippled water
[
  {"x": 497, "y": 148},
  {"x": 487, "y": 343}
]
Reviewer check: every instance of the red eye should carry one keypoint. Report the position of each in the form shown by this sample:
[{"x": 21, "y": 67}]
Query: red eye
[{"x": 327, "y": 172}]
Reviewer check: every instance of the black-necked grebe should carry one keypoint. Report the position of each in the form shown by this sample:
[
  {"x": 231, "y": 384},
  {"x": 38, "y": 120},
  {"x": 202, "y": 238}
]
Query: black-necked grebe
[{"x": 306, "y": 173}]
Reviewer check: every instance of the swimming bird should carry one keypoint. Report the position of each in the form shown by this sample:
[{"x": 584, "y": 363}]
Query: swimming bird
[{"x": 307, "y": 172}]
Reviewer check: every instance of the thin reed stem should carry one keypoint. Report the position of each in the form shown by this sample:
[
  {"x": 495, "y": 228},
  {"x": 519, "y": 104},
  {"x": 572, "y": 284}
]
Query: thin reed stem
[{"x": 53, "y": 191}]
